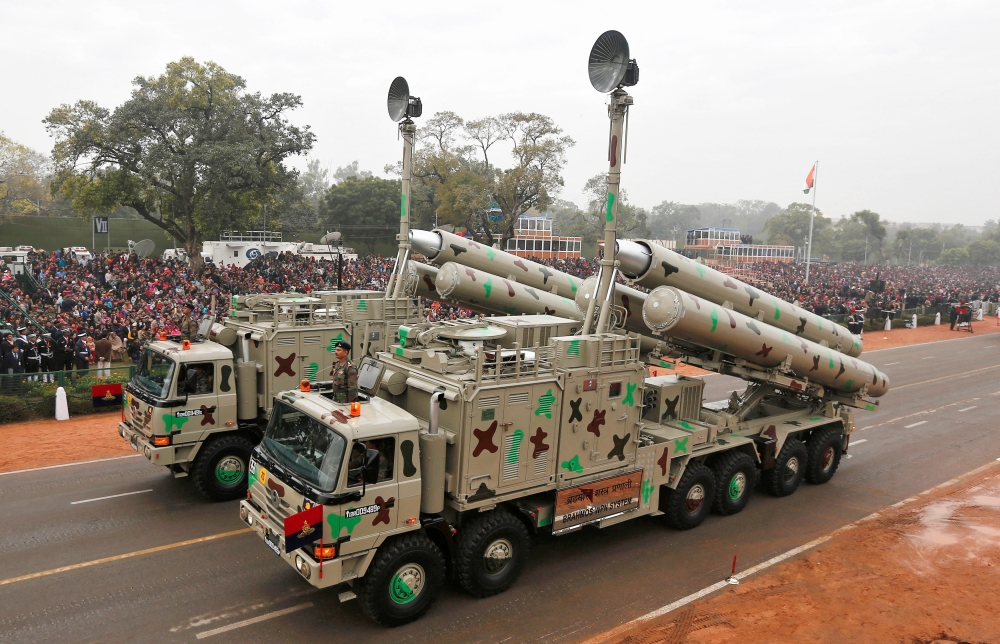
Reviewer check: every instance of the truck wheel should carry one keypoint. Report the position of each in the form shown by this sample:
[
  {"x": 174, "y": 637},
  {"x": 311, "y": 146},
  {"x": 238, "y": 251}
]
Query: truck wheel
[
  {"x": 220, "y": 469},
  {"x": 825, "y": 447},
  {"x": 789, "y": 468},
  {"x": 688, "y": 505},
  {"x": 734, "y": 478},
  {"x": 402, "y": 581},
  {"x": 491, "y": 550}
]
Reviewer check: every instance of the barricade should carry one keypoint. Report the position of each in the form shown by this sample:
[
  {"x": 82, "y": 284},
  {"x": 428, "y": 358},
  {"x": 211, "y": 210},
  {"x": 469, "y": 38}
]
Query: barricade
[{"x": 27, "y": 396}]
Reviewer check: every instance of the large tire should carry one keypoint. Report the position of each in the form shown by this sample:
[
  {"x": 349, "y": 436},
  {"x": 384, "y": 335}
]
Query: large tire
[
  {"x": 789, "y": 468},
  {"x": 402, "y": 581},
  {"x": 734, "y": 479},
  {"x": 688, "y": 505},
  {"x": 825, "y": 447},
  {"x": 220, "y": 469},
  {"x": 491, "y": 550}
]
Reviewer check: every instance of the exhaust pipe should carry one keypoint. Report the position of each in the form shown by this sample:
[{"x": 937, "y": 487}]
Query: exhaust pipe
[{"x": 433, "y": 448}]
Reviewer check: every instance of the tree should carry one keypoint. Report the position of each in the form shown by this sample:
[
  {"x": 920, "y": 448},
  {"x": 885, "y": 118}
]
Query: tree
[
  {"x": 349, "y": 170},
  {"x": 190, "y": 151},
  {"x": 365, "y": 208},
  {"x": 983, "y": 252},
  {"x": 631, "y": 221},
  {"x": 954, "y": 257},
  {"x": 913, "y": 245},
  {"x": 790, "y": 227},
  {"x": 24, "y": 180},
  {"x": 672, "y": 220}
]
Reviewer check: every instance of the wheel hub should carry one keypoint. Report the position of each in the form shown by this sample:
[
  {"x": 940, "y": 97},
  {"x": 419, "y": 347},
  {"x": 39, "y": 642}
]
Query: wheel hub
[
  {"x": 229, "y": 470},
  {"x": 407, "y": 583},
  {"x": 497, "y": 555},
  {"x": 791, "y": 468},
  {"x": 737, "y": 485},
  {"x": 695, "y": 497},
  {"x": 828, "y": 457}
]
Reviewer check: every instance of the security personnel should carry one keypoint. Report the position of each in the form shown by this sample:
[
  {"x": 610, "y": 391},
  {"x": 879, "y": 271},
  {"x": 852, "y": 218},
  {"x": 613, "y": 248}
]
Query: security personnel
[
  {"x": 32, "y": 358},
  {"x": 81, "y": 353},
  {"x": 189, "y": 328},
  {"x": 345, "y": 374},
  {"x": 47, "y": 352}
]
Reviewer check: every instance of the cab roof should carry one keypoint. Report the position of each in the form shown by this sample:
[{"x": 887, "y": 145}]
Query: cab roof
[
  {"x": 378, "y": 417},
  {"x": 203, "y": 350}
]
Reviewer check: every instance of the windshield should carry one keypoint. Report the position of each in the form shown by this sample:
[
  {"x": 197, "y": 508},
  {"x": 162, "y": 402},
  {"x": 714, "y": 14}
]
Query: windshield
[
  {"x": 306, "y": 446},
  {"x": 154, "y": 373}
]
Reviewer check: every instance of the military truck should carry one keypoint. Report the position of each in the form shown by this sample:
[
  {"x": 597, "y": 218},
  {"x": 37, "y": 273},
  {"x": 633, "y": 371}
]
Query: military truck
[{"x": 199, "y": 407}]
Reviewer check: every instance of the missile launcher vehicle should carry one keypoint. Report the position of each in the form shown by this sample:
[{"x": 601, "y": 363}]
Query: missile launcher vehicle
[{"x": 470, "y": 437}]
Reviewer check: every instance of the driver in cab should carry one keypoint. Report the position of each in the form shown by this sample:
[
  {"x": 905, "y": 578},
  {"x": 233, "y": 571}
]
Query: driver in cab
[{"x": 344, "y": 374}]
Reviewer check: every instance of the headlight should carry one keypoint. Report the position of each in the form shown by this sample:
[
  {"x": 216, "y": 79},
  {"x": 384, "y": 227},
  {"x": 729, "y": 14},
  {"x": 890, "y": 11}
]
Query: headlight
[
  {"x": 302, "y": 566},
  {"x": 244, "y": 514}
]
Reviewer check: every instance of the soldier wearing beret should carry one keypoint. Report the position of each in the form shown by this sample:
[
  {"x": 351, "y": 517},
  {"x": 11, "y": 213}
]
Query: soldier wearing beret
[
  {"x": 344, "y": 373},
  {"x": 189, "y": 328}
]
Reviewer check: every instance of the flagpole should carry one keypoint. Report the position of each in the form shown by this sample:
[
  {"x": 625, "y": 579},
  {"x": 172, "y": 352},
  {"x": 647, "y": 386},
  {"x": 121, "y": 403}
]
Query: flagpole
[{"x": 812, "y": 216}]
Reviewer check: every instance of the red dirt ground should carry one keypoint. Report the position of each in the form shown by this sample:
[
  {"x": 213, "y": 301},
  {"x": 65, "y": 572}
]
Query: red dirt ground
[{"x": 921, "y": 573}]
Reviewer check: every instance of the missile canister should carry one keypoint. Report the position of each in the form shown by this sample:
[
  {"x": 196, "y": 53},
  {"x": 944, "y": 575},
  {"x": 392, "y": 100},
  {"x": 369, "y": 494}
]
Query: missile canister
[
  {"x": 424, "y": 276},
  {"x": 627, "y": 299},
  {"x": 440, "y": 246},
  {"x": 672, "y": 312},
  {"x": 481, "y": 290},
  {"x": 652, "y": 265}
]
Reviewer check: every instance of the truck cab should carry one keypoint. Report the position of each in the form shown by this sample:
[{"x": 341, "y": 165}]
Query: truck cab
[
  {"x": 331, "y": 483},
  {"x": 180, "y": 412}
]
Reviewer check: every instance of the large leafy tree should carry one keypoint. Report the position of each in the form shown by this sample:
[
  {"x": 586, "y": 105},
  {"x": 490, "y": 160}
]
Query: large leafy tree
[
  {"x": 365, "y": 208},
  {"x": 791, "y": 227},
  {"x": 672, "y": 220},
  {"x": 631, "y": 221},
  {"x": 191, "y": 151},
  {"x": 914, "y": 245}
]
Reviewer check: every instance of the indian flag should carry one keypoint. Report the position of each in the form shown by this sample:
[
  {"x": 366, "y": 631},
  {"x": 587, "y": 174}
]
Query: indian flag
[{"x": 810, "y": 180}]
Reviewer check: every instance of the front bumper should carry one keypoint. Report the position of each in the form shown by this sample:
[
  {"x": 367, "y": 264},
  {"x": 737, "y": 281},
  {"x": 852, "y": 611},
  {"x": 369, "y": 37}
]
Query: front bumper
[
  {"x": 158, "y": 455},
  {"x": 333, "y": 569}
]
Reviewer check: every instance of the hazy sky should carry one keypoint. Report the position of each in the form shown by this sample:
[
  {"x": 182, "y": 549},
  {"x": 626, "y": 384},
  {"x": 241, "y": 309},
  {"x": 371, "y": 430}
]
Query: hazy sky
[{"x": 897, "y": 100}]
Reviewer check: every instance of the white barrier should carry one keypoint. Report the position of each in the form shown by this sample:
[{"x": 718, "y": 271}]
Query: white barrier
[
  {"x": 937, "y": 318},
  {"x": 62, "y": 406}
]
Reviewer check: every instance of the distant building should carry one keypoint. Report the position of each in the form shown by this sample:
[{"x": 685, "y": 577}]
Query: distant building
[
  {"x": 533, "y": 238},
  {"x": 726, "y": 246}
]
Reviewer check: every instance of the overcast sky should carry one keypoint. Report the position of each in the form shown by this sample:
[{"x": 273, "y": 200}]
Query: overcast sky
[{"x": 897, "y": 100}]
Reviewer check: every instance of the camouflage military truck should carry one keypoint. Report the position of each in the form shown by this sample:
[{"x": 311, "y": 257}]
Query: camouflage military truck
[{"x": 199, "y": 407}]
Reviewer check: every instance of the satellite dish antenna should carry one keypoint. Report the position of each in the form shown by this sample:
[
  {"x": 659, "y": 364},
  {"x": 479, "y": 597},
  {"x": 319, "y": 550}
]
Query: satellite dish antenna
[
  {"x": 142, "y": 248},
  {"x": 329, "y": 238},
  {"x": 400, "y": 103},
  {"x": 609, "y": 66}
]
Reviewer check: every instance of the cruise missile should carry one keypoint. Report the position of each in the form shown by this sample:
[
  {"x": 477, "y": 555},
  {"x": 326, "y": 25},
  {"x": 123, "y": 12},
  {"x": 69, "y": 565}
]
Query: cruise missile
[
  {"x": 468, "y": 286},
  {"x": 674, "y": 313},
  {"x": 424, "y": 277},
  {"x": 626, "y": 299},
  {"x": 652, "y": 265},
  {"x": 440, "y": 246}
]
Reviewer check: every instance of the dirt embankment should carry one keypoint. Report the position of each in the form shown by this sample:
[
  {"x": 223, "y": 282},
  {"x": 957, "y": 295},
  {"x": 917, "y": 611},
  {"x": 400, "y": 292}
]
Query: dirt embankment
[
  {"x": 50, "y": 442},
  {"x": 928, "y": 571}
]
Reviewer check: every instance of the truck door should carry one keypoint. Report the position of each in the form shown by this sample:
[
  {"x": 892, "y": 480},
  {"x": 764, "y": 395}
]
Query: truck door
[
  {"x": 225, "y": 379},
  {"x": 371, "y": 467},
  {"x": 285, "y": 368},
  {"x": 201, "y": 413}
]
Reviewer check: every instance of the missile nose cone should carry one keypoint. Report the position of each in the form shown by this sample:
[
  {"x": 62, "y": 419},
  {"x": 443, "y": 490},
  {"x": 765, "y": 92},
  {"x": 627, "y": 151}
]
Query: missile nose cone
[
  {"x": 447, "y": 279},
  {"x": 634, "y": 257},
  {"x": 662, "y": 308},
  {"x": 425, "y": 242}
]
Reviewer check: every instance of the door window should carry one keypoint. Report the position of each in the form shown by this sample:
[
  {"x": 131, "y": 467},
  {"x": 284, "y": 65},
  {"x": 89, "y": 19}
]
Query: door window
[
  {"x": 371, "y": 462},
  {"x": 197, "y": 378}
]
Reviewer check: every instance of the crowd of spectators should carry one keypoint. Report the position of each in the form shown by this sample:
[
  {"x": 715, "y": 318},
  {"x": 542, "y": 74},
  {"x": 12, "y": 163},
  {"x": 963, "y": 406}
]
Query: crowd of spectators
[{"x": 127, "y": 299}]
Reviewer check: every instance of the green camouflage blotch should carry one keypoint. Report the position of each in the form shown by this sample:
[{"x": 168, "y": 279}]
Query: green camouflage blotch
[
  {"x": 338, "y": 523},
  {"x": 815, "y": 418},
  {"x": 170, "y": 421},
  {"x": 681, "y": 445},
  {"x": 545, "y": 404},
  {"x": 714, "y": 316},
  {"x": 647, "y": 490},
  {"x": 573, "y": 349},
  {"x": 362, "y": 305},
  {"x": 490, "y": 253},
  {"x": 666, "y": 365},
  {"x": 488, "y": 285},
  {"x": 402, "y": 206},
  {"x": 399, "y": 592},
  {"x": 515, "y": 446},
  {"x": 686, "y": 425},
  {"x": 573, "y": 465},
  {"x": 830, "y": 356},
  {"x": 869, "y": 407},
  {"x": 849, "y": 383},
  {"x": 611, "y": 207},
  {"x": 572, "y": 284},
  {"x": 311, "y": 371},
  {"x": 510, "y": 309},
  {"x": 334, "y": 341},
  {"x": 630, "y": 388},
  {"x": 403, "y": 332},
  {"x": 701, "y": 269},
  {"x": 777, "y": 311}
]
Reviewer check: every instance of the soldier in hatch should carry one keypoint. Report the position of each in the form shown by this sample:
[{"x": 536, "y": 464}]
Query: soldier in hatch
[{"x": 344, "y": 374}]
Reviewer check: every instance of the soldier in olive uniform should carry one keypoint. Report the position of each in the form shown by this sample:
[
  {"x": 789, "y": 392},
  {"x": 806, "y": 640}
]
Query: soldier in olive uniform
[
  {"x": 189, "y": 328},
  {"x": 345, "y": 374}
]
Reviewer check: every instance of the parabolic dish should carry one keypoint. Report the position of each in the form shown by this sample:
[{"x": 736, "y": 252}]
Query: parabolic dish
[
  {"x": 608, "y": 61},
  {"x": 399, "y": 98}
]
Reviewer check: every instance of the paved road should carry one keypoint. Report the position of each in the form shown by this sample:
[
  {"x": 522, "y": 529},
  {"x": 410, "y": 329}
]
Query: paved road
[{"x": 939, "y": 421}]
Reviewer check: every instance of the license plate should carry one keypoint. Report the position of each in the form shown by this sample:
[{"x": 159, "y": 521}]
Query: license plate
[
  {"x": 134, "y": 442},
  {"x": 272, "y": 541}
]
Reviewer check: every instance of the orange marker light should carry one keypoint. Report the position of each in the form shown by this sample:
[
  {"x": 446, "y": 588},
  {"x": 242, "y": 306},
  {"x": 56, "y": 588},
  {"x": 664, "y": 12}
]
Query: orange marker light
[
  {"x": 163, "y": 335},
  {"x": 161, "y": 441},
  {"x": 355, "y": 409},
  {"x": 186, "y": 344},
  {"x": 304, "y": 385},
  {"x": 325, "y": 552}
]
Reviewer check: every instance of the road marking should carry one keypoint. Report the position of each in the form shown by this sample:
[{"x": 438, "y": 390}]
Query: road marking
[
  {"x": 252, "y": 620},
  {"x": 914, "y": 424},
  {"x": 863, "y": 440},
  {"x": 889, "y": 364},
  {"x": 52, "y": 467},
  {"x": 989, "y": 346},
  {"x": 127, "y": 555},
  {"x": 968, "y": 408},
  {"x": 928, "y": 358},
  {"x": 607, "y": 635},
  {"x": 956, "y": 376},
  {"x": 113, "y": 496}
]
